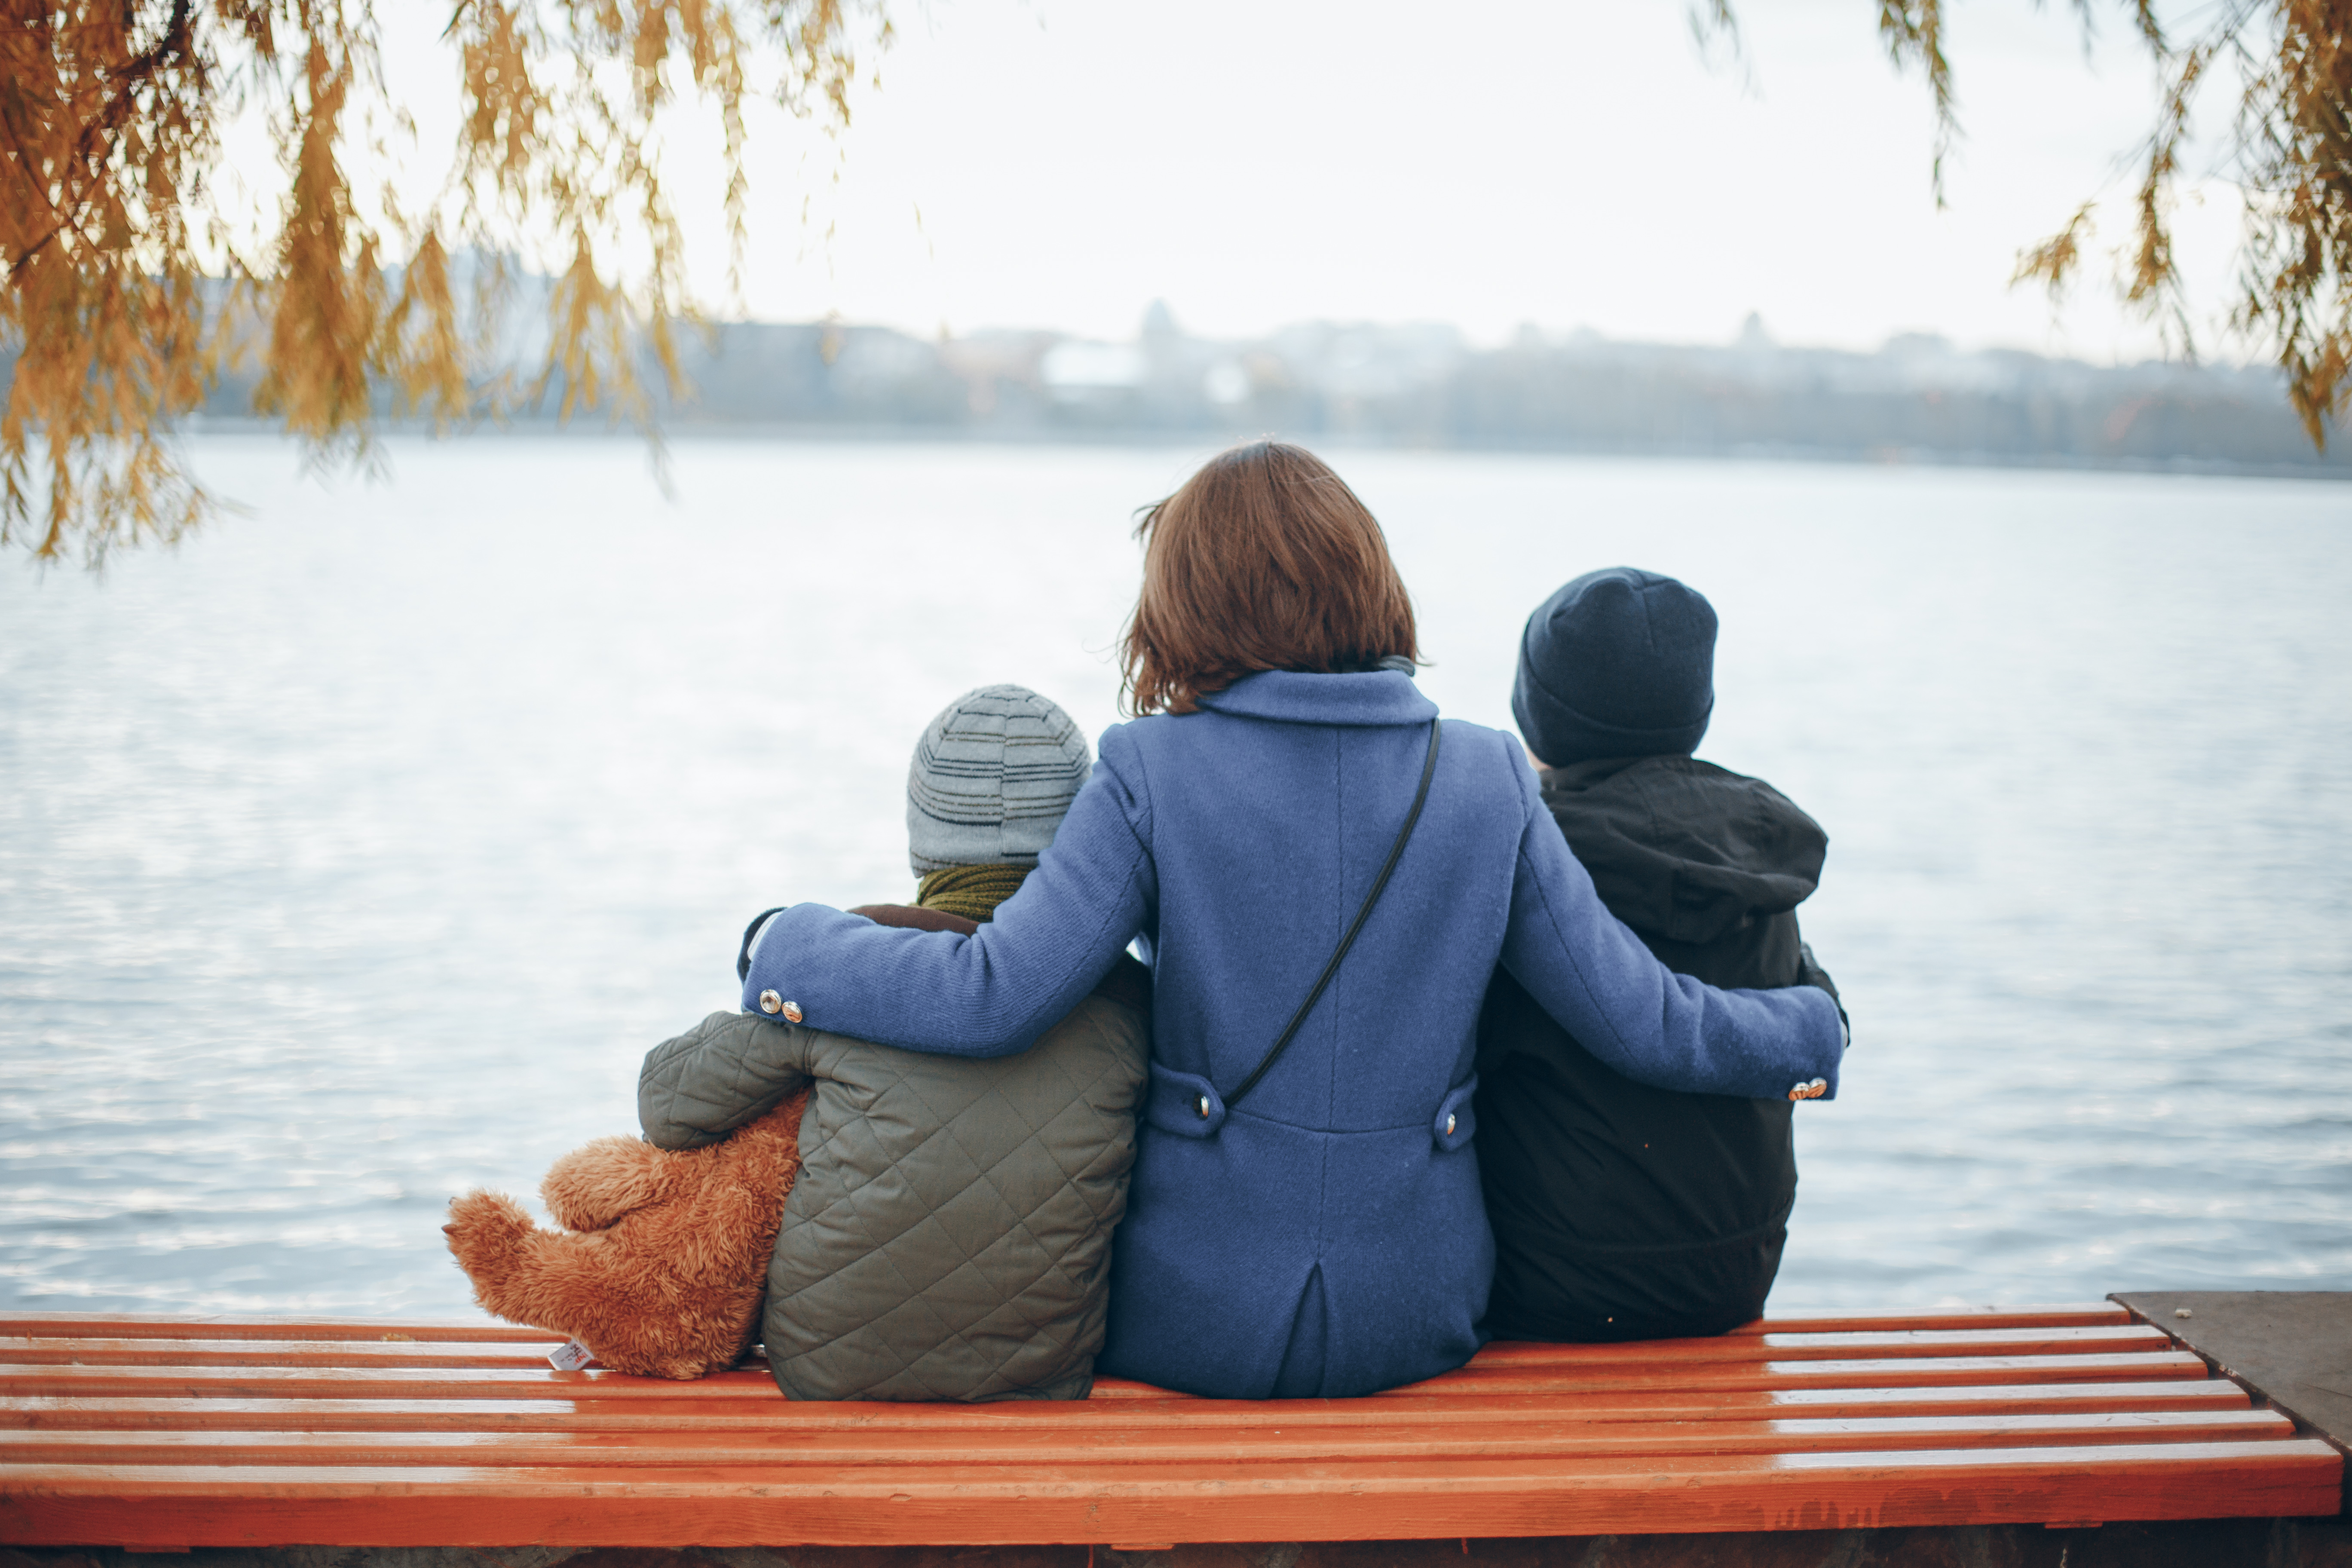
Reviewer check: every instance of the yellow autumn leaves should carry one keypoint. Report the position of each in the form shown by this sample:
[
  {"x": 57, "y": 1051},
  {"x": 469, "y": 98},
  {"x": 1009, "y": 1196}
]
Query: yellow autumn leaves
[{"x": 129, "y": 289}]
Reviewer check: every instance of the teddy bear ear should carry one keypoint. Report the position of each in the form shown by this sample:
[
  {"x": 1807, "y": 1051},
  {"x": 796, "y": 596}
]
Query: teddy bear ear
[{"x": 597, "y": 1184}]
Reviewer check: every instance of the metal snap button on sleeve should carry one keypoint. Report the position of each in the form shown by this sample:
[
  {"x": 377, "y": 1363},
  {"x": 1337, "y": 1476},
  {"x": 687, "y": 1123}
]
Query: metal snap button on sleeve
[
  {"x": 1812, "y": 1091},
  {"x": 771, "y": 1003},
  {"x": 792, "y": 1012},
  {"x": 1200, "y": 1104},
  {"x": 1449, "y": 1124}
]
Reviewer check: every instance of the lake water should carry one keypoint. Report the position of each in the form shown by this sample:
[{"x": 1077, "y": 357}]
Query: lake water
[{"x": 354, "y": 853}]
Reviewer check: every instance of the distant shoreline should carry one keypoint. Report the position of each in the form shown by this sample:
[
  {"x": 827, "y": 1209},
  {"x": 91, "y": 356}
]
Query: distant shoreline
[{"x": 2328, "y": 469}]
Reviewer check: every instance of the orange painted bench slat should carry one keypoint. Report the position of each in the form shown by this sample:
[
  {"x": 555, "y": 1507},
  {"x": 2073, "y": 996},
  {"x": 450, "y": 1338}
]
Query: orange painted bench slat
[
  {"x": 979, "y": 1505},
  {"x": 165, "y": 1433},
  {"x": 1525, "y": 1439},
  {"x": 342, "y": 1355},
  {"x": 114, "y": 1325},
  {"x": 647, "y": 1416},
  {"x": 1912, "y": 1372},
  {"x": 1845, "y": 1346},
  {"x": 231, "y": 1379},
  {"x": 120, "y": 1326}
]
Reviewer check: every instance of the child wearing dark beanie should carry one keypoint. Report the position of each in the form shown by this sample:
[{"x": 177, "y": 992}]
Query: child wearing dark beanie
[{"x": 1621, "y": 1211}]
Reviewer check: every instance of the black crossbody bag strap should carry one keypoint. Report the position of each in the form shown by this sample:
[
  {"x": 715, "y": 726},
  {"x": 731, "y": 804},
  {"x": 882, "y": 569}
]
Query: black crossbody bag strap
[{"x": 1379, "y": 883}]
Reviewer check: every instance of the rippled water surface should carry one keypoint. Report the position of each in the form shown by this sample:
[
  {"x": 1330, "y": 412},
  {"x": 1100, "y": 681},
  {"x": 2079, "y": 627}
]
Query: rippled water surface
[{"x": 356, "y": 852}]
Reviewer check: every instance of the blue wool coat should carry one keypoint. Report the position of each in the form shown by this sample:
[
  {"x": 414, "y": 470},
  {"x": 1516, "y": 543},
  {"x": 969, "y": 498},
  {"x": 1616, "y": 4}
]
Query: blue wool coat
[{"x": 1325, "y": 1236}]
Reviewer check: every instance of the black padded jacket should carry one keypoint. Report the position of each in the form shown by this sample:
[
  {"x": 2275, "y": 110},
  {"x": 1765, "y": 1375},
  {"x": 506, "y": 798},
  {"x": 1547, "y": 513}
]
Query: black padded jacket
[{"x": 1622, "y": 1211}]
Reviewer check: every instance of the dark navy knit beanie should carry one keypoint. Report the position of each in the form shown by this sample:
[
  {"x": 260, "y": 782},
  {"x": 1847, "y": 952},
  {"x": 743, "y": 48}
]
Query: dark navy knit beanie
[{"x": 1620, "y": 663}]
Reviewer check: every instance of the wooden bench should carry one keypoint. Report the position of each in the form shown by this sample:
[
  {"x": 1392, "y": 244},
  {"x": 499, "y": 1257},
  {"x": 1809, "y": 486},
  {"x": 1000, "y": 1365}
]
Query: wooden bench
[{"x": 158, "y": 1436}]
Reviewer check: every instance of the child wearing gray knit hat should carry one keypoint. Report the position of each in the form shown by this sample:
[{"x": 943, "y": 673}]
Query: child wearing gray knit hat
[
  {"x": 992, "y": 777},
  {"x": 949, "y": 1235}
]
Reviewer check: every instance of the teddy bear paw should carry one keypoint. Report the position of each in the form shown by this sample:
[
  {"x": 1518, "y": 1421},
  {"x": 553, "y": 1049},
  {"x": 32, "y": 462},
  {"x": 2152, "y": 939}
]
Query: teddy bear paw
[{"x": 486, "y": 1231}]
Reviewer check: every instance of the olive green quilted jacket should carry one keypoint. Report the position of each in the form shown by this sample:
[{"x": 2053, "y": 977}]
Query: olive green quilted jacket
[{"x": 949, "y": 1237}]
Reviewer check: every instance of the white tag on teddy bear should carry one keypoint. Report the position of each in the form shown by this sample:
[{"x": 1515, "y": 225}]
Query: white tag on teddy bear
[{"x": 570, "y": 1358}]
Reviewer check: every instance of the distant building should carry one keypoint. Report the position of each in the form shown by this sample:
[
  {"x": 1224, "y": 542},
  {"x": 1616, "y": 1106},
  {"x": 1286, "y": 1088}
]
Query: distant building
[{"x": 1422, "y": 384}]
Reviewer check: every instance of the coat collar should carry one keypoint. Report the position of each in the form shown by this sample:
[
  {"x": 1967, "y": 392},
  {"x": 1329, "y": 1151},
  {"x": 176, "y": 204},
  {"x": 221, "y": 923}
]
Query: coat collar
[{"x": 1377, "y": 698}]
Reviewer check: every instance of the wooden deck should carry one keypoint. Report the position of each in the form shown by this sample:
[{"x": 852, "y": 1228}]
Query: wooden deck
[{"x": 158, "y": 1435}]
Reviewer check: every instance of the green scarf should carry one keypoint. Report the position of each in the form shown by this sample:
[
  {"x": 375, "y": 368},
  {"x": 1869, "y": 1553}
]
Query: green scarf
[{"x": 972, "y": 892}]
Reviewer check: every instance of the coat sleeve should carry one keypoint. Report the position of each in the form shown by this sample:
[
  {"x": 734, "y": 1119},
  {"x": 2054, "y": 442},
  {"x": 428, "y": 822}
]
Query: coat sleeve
[
  {"x": 728, "y": 1070},
  {"x": 993, "y": 993},
  {"x": 1597, "y": 979}
]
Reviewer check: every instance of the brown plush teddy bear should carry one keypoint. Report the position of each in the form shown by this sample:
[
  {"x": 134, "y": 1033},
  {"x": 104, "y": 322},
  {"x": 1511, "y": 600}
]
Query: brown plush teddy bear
[{"x": 663, "y": 1259}]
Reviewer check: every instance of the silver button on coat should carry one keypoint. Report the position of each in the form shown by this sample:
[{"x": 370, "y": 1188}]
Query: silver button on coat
[{"x": 771, "y": 1003}]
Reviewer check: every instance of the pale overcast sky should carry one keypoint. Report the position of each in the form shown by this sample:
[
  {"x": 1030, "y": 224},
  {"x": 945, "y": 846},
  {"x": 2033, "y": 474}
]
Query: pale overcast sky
[{"x": 1488, "y": 162}]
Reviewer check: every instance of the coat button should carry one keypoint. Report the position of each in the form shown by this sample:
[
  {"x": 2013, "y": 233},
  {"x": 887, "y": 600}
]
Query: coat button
[
  {"x": 771, "y": 1003},
  {"x": 1449, "y": 1124},
  {"x": 792, "y": 1012},
  {"x": 1202, "y": 1105},
  {"x": 1812, "y": 1091}
]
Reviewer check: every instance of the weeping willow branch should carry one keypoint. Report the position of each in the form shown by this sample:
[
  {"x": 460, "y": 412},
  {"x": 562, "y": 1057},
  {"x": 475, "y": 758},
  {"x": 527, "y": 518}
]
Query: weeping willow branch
[
  {"x": 130, "y": 285},
  {"x": 2289, "y": 153},
  {"x": 1913, "y": 32}
]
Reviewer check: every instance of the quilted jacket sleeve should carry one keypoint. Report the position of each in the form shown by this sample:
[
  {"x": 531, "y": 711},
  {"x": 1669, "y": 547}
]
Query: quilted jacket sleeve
[{"x": 729, "y": 1069}]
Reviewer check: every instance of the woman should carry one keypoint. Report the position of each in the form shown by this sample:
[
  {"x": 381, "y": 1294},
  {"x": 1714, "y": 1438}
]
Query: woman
[{"x": 1317, "y": 1230}]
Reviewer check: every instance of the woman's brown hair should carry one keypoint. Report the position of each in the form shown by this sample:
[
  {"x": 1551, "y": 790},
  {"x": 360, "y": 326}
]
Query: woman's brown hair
[{"x": 1262, "y": 559}]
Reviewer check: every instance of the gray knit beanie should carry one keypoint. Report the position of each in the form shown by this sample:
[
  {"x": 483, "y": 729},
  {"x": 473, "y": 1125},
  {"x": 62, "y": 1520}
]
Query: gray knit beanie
[{"x": 992, "y": 777}]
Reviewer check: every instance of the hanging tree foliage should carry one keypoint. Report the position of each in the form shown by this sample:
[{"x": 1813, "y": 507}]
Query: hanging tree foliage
[
  {"x": 134, "y": 278},
  {"x": 2289, "y": 152},
  {"x": 135, "y": 271}
]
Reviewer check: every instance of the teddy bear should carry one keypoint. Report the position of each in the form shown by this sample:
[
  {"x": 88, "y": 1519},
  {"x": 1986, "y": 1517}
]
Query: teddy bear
[{"x": 663, "y": 1258}]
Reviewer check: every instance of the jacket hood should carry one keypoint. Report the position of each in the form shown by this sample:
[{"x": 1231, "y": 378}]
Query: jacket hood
[{"x": 1683, "y": 849}]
